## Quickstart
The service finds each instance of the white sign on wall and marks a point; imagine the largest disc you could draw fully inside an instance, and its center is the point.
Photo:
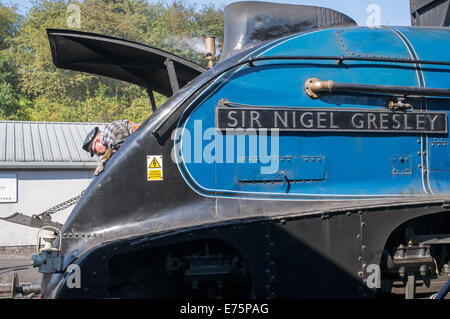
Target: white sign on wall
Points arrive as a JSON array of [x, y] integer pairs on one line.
[[8, 188]]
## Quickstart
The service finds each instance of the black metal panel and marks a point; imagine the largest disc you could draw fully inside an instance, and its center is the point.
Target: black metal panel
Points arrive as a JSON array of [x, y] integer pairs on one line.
[[430, 13], [248, 23], [120, 59], [312, 256]]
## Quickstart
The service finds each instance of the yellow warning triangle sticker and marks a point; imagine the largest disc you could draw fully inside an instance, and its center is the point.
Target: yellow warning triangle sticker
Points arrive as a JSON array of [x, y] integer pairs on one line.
[[154, 164]]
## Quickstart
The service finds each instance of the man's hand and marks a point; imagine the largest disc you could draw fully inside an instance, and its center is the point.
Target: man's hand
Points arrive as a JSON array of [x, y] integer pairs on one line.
[[99, 169], [101, 165]]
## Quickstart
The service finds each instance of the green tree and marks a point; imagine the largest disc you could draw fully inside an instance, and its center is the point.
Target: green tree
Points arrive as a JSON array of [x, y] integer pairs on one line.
[[12, 104], [63, 95], [9, 22]]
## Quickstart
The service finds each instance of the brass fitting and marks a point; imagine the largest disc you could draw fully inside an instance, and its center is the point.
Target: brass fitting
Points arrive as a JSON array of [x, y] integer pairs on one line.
[[210, 43], [313, 86]]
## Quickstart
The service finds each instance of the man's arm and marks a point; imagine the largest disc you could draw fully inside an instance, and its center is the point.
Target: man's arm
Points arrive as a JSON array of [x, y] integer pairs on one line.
[[116, 133]]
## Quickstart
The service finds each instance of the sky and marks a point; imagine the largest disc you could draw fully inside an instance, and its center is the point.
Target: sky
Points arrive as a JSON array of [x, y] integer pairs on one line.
[[364, 12]]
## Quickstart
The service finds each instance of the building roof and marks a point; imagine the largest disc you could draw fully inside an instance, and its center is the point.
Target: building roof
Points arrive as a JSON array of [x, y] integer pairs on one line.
[[44, 145]]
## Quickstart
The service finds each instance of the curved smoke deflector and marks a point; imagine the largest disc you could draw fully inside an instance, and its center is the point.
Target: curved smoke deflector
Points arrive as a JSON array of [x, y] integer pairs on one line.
[[248, 23]]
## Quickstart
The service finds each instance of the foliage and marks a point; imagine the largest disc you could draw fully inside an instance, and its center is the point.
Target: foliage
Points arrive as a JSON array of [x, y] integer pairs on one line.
[[9, 21], [32, 88]]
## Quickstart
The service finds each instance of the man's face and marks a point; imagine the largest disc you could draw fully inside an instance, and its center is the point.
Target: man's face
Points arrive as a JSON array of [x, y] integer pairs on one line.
[[97, 145]]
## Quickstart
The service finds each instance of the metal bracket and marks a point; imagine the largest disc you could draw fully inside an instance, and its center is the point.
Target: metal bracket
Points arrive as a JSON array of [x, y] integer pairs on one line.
[[30, 221], [151, 96], [172, 76], [400, 104]]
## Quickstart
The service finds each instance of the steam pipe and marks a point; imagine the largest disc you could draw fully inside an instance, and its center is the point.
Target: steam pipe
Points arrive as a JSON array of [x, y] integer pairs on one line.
[[314, 87]]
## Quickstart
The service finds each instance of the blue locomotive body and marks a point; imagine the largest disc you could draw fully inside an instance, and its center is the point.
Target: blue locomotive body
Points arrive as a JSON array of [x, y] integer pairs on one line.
[[315, 158], [357, 164]]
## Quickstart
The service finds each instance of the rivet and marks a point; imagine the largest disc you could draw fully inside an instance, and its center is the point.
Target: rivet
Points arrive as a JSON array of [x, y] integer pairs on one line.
[[363, 247]]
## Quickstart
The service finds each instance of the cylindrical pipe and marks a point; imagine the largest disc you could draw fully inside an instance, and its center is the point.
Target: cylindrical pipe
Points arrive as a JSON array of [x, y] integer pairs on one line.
[[210, 43], [315, 86], [443, 291]]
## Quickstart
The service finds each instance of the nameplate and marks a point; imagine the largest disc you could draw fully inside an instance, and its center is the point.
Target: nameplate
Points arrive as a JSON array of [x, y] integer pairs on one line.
[[326, 120]]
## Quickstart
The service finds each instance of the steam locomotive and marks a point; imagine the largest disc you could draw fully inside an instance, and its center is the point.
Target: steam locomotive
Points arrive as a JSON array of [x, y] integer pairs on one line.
[[311, 162]]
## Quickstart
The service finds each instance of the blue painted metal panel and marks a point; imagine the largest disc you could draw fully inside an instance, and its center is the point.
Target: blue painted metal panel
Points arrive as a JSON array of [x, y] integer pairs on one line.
[[358, 165], [290, 169], [434, 44]]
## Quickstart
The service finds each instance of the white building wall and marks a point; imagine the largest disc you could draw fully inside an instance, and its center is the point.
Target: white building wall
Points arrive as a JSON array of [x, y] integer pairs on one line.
[[37, 191]]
